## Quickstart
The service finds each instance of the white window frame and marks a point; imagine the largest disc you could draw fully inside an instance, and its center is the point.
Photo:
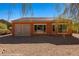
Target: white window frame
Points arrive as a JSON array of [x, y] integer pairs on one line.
[[40, 24]]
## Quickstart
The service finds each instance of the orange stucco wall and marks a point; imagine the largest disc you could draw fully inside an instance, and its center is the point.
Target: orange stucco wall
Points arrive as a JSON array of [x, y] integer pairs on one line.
[[48, 27]]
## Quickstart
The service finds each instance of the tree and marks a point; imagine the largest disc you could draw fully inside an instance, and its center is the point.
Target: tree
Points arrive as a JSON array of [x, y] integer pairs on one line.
[[23, 9], [5, 22], [71, 11], [27, 8]]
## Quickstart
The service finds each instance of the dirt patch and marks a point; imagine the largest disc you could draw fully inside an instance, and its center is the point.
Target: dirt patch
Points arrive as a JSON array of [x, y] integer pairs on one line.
[[39, 46]]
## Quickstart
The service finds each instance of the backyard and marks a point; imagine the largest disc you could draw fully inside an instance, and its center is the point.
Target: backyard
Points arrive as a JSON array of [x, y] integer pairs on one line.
[[39, 45]]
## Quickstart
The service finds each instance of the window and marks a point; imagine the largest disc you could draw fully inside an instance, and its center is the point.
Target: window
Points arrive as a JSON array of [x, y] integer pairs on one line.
[[62, 28], [39, 28]]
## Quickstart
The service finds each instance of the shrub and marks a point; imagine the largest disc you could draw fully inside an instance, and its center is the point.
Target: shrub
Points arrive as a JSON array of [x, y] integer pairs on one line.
[[7, 31], [4, 31], [3, 26], [75, 28]]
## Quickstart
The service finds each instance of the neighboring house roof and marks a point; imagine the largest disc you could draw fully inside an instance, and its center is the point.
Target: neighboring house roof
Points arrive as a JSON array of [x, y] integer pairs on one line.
[[38, 19]]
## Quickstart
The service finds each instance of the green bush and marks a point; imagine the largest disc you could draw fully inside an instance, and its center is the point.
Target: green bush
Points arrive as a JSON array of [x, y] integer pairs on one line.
[[7, 31], [6, 22], [3, 26], [75, 28], [4, 31]]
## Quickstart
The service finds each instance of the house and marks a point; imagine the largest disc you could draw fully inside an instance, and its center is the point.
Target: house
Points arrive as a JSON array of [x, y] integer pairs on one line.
[[41, 26]]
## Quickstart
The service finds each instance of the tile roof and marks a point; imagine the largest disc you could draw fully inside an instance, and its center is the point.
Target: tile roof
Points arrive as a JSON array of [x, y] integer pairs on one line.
[[32, 19], [39, 19]]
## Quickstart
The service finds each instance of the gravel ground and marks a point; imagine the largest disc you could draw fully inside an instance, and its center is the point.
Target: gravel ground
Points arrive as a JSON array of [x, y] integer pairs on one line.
[[40, 45]]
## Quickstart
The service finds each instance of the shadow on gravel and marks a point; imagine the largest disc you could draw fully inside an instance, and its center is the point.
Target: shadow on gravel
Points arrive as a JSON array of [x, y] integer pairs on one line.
[[57, 40]]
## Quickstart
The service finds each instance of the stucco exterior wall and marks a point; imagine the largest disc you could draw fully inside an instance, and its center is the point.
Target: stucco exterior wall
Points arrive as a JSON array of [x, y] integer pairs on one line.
[[27, 28]]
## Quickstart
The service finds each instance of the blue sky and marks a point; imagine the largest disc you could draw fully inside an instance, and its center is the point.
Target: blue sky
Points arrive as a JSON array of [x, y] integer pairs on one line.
[[39, 10]]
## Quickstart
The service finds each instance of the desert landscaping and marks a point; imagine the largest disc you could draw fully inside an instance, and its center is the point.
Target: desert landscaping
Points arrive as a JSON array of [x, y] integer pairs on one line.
[[35, 29], [36, 46]]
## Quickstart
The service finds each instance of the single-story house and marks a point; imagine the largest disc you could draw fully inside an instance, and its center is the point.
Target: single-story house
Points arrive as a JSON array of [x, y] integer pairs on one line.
[[41, 26]]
